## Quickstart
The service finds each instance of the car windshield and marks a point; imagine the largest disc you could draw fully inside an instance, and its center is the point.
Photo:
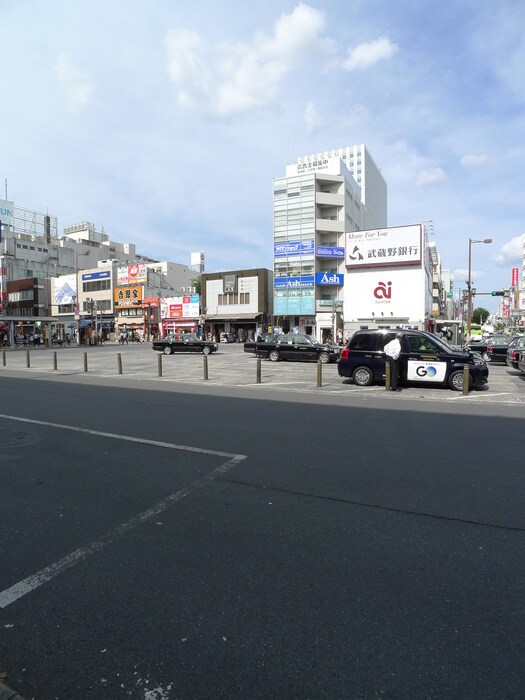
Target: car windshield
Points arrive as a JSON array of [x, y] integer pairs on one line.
[[499, 340]]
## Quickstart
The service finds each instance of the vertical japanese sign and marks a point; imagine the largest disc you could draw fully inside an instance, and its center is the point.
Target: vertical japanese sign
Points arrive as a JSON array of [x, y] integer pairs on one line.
[[514, 276]]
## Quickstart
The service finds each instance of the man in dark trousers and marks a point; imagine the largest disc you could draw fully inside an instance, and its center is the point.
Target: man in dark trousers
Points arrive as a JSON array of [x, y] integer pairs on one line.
[[392, 351]]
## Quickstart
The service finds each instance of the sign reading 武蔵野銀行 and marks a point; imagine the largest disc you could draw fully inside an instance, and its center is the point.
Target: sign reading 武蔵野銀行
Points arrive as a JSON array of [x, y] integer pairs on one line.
[[399, 245]]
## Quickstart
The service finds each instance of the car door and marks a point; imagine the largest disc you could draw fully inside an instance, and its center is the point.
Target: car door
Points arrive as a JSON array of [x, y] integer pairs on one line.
[[426, 361], [285, 346], [303, 349]]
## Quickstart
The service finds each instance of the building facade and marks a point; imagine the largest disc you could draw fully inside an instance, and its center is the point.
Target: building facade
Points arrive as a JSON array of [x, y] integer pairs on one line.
[[314, 207], [237, 303], [389, 279]]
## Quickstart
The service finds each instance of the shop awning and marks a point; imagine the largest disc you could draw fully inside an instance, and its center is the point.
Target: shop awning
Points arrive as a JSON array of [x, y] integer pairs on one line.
[[234, 317]]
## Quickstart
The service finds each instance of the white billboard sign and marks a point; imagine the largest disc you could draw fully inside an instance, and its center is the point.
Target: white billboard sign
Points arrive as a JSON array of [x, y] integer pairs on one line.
[[7, 209], [385, 294], [65, 290], [382, 247]]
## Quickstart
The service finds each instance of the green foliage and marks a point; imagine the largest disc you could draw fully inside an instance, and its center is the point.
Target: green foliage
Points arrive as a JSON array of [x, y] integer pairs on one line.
[[480, 315], [197, 284]]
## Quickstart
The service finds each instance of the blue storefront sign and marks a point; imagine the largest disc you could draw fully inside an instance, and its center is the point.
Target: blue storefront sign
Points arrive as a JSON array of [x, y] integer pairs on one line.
[[283, 250], [102, 275], [328, 251], [293, 282], [329, 278]]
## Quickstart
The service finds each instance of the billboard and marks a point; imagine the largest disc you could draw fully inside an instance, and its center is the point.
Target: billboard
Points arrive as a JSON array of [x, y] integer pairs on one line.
[[132, 274], [329, 279], [65, 288], [385, 294], [329, 251], [293, 282], [384, 247], [180, 307], [128, 296], [515, 277], [7, 209], [291, 248]]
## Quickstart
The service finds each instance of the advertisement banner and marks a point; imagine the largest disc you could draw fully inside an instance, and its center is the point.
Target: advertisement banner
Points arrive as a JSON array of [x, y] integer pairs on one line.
[[6, 213], [90, 276], [329, 278], [327, 251], [293, 282], [515, 276], [385, 247], [130, 297], [65, 289], [180, 307], [421, 371], [291, 248], [132, 274]]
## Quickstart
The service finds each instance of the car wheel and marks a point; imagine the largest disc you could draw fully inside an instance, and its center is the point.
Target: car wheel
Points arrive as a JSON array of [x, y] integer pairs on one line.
[[455, 381], [324, 357], [274, 356], [167, 350], [206, 350], [363, 376]]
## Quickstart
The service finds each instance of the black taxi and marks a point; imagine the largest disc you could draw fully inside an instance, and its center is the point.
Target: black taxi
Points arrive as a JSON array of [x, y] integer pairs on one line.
[[299, 347], [425, 359]]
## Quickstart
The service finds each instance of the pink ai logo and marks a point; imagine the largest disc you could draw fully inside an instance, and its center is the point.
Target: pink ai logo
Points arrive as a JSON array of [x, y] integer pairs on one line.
[[383, 291]]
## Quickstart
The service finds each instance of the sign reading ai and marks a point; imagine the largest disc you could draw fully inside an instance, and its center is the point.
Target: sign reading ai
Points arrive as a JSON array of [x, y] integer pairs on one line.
[[329, 278], [327, 251]]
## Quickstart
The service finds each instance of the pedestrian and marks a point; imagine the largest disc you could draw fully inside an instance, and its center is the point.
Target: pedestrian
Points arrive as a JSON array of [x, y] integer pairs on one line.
[[392, 351]]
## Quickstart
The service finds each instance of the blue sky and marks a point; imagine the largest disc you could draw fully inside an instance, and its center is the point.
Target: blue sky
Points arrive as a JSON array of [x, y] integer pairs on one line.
[[165, 122]]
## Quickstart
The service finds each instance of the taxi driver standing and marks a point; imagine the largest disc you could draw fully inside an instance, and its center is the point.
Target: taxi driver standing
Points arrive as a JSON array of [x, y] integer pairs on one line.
[[392, 351]]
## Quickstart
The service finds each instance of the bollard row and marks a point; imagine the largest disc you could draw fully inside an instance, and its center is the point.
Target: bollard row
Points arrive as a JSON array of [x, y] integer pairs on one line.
[[258, 369]]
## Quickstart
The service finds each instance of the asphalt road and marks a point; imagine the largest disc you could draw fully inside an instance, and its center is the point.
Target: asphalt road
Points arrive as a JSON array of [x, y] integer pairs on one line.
[[169, 540]]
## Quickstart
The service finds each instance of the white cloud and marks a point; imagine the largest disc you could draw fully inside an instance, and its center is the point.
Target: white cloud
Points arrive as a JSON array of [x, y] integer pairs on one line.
[[460, 276], [311, 117], [473, 160], [511, 253], [229, 78], [369, 53], [429, 178], [77, 84]]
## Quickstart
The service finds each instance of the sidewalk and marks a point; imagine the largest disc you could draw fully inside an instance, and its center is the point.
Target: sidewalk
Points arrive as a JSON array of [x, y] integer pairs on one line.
[[8, 694]]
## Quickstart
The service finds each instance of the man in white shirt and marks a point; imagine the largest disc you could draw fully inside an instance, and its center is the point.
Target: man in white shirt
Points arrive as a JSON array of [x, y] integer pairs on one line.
[[392, 351]]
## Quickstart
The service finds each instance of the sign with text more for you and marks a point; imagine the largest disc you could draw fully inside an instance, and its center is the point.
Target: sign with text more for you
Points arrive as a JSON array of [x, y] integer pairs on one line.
[[384, 294], [384, 247]]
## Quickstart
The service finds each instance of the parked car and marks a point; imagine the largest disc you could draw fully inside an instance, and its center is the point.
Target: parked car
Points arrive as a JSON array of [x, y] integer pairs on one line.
[[521, 361], [424, 359], [296, 347], [497, 347], [249, 345], [188, 342], [513, 351]]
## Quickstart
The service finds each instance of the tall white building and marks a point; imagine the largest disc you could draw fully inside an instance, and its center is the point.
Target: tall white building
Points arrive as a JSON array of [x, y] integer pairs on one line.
[[314, 206], [367, 175]]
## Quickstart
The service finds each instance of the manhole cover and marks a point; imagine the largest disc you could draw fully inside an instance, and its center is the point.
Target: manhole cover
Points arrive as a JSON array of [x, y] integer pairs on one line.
[[16, 438]]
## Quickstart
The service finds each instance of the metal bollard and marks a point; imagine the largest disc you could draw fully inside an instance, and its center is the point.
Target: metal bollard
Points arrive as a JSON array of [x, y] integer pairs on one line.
[[258, 370], [119, 363], [159, 365], [4, 357], [466, 379], [387, 376], [55, 361], [319, 373], [85, 362], [205, 359], [28, 359]]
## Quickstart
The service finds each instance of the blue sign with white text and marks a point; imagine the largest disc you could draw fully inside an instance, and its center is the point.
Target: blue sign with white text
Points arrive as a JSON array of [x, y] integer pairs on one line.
[[329, 251], [102, 275], [283, 250], [293, 282], [329, 278]]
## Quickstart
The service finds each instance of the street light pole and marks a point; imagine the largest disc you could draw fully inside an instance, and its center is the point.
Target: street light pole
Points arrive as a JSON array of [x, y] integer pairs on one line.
[[469, 284]]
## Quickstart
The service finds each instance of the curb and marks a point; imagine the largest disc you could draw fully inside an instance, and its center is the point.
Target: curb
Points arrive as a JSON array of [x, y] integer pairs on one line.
[[8, 694]]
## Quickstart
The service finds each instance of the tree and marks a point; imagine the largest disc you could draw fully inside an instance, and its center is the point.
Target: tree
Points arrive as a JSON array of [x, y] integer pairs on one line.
[[480, 315], [197, 283]]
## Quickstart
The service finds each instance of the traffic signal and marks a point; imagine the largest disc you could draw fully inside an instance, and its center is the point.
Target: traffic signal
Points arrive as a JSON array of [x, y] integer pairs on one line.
[[498, 294]]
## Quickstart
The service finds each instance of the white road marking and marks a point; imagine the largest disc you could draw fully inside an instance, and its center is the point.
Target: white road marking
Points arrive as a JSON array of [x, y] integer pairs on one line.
[[22, 588]]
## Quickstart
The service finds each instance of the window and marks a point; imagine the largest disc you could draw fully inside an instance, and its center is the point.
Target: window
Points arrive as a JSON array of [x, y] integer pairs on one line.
[[244, 298]]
